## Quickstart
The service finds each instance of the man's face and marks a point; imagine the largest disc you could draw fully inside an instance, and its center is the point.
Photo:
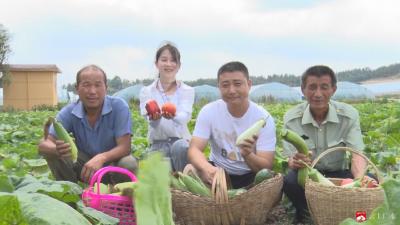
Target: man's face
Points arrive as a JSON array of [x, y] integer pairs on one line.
[[318, 91], [234, 87], [92, 89]]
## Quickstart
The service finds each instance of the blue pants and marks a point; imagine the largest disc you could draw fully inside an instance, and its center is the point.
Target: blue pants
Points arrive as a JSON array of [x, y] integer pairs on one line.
[[175, 149]]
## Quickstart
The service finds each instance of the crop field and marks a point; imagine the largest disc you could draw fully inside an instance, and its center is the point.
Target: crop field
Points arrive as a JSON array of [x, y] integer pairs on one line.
[[21, 166]]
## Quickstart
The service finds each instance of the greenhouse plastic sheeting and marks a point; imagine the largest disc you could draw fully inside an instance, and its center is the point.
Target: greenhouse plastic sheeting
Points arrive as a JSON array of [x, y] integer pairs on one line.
[[351, 91], [274, 92], [129, 92], [206, 92]]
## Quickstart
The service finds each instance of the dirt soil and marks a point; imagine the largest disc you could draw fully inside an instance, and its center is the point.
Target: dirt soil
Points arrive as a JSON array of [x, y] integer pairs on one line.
[[279, 215]]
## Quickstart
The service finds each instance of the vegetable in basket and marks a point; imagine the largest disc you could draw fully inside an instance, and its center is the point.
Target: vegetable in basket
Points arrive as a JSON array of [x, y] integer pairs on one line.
[[195, 185], [363, 182], [235, 192], [263, 174]]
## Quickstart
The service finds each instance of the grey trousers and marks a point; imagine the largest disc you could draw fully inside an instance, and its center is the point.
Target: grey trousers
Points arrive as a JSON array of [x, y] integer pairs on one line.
[[63, 169], [175, 149]]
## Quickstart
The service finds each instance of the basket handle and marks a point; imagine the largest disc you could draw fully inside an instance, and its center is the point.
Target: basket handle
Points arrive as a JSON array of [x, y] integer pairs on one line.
[[100, 173], [219, 189], [378, 174], [219, 193]]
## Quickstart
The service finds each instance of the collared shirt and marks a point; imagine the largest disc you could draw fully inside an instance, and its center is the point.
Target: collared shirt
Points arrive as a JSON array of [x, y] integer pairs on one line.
[[183, 99], [340, 128], [114, 122]]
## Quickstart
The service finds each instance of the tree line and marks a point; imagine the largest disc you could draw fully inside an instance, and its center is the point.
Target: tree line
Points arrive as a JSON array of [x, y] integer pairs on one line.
[[356, 75]]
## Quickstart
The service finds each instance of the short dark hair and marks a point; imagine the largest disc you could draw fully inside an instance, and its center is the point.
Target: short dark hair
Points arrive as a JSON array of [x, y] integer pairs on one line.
[[93, 67], [172, 49], [233, 67], [318, 71]]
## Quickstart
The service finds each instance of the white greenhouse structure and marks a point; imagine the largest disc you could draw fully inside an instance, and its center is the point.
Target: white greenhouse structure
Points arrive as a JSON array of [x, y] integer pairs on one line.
[[129, 93], [206, 93], [351, 91], [274, 92]]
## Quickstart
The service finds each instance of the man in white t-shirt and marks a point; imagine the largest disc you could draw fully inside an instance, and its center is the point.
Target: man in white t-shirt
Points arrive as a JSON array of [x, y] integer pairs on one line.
[[222, 121]]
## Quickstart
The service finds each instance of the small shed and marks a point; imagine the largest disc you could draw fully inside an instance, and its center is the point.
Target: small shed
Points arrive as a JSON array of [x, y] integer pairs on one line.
[[206, 92], [30, 85]]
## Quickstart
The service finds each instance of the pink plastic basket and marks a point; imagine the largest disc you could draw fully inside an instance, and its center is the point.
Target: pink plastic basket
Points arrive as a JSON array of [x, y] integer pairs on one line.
[[120, 207]]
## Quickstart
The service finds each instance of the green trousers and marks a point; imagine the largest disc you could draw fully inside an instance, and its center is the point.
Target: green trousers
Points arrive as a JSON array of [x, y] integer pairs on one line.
[[65, 169]]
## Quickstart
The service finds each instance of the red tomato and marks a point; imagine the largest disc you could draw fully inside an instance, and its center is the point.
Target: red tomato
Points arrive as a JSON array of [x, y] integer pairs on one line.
[[346, 181], [152, 107], [169, 108]]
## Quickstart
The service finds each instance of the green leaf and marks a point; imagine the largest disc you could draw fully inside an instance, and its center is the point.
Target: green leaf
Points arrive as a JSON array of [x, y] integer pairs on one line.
[[9, 163], [5, 184], [64, 191], [10, 210], [36, 162], [39, 209], [392, 192]]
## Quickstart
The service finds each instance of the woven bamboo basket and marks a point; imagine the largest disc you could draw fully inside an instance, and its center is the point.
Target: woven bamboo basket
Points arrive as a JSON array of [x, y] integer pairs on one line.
[[249, 208], [330, 205]]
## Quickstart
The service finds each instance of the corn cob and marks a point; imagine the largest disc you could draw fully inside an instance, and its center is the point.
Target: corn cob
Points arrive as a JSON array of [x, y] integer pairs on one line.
[[301, 146], [249, 132], [103, 188], [178, 184], [125, 185], [62, 134]]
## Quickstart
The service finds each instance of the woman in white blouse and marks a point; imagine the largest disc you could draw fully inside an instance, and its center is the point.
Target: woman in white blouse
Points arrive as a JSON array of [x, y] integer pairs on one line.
[[167, 132]]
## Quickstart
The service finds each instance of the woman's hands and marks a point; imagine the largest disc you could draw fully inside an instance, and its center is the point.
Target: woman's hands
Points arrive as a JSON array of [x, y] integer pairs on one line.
[[157, 116]]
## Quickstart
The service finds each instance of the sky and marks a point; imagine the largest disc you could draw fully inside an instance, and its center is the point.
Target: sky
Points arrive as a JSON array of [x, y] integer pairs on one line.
[[269, 36]]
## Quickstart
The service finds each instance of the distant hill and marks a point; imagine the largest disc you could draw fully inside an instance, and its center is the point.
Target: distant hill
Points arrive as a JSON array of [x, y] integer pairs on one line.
[[365, 74]]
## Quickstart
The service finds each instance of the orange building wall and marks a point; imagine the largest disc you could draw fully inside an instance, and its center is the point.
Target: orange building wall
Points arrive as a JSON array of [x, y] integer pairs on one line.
[[29, 89]]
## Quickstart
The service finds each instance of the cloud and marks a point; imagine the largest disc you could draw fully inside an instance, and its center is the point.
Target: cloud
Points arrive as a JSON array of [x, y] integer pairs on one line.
[[373, 20], [354, 20], [122, 35], [123, 61]]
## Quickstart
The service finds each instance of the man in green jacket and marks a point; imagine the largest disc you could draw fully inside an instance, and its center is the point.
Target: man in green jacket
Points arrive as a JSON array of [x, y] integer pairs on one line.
[[323, 124]]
